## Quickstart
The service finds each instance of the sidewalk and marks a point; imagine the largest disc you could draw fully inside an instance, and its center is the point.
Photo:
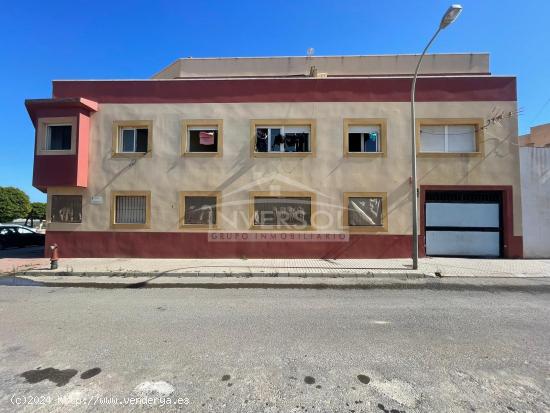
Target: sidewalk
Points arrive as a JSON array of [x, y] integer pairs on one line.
[[344, 268]]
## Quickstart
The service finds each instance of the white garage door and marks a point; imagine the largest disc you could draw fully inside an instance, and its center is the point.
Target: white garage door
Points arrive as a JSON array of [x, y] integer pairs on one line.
[[463, 229]]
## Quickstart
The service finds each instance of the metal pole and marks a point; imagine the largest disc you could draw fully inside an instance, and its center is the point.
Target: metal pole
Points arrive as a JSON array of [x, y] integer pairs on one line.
[[413, 158]]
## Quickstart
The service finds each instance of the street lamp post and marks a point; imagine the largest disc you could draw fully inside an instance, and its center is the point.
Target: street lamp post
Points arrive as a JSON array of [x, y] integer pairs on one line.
[[449, 17]]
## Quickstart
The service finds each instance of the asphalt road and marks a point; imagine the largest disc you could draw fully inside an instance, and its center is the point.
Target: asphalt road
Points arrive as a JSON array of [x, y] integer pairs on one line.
[[274, 350]]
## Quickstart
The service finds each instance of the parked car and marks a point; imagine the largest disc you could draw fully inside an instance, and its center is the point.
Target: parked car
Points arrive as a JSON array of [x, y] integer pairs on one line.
[[19, 236]]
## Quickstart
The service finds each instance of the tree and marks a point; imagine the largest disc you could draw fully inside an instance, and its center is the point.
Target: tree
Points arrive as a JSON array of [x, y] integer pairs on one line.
[[38, 211], [14, 203]]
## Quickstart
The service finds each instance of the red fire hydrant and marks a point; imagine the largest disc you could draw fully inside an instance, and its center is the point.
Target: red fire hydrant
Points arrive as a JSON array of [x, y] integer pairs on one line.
[[54, 257]]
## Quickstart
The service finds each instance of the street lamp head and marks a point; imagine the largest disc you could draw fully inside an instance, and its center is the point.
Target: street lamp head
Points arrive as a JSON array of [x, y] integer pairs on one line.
[[450, 15]]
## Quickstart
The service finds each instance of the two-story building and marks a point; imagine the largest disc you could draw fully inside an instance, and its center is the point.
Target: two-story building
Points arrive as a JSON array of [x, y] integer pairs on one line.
[[282, 157]]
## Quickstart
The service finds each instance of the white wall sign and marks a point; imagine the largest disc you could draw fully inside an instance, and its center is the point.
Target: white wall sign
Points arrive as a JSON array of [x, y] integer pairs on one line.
[[97, 200]]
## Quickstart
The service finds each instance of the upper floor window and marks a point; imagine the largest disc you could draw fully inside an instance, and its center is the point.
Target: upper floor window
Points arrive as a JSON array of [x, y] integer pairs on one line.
[[283, 137], [364, 137], [56, 136], [450, 137], [132, 139], [202, 137]]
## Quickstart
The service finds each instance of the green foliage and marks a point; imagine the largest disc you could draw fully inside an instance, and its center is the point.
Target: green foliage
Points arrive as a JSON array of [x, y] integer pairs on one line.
[[38, 211], [14, 203]]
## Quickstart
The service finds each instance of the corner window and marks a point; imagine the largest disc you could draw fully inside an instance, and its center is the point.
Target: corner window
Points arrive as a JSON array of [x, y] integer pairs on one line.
[[456, 137], [131, 209], [132, 139], [365, 211], [66, 209], [202, 137], [291, 137], [58, 137], [199, 209], [364, 137], [284, 211]]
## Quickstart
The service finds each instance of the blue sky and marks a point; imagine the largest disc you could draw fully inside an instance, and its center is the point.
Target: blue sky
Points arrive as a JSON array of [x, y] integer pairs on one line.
[[46, 40]]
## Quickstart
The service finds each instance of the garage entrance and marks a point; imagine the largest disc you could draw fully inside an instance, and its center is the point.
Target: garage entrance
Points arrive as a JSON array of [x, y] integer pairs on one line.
[[463, 223]]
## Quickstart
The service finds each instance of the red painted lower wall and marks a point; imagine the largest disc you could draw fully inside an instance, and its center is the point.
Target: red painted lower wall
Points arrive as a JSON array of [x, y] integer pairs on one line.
[[81, 244]]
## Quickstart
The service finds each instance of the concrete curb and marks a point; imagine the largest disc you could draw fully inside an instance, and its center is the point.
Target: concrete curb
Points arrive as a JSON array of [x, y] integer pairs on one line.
[[221, 274], [532, 285]]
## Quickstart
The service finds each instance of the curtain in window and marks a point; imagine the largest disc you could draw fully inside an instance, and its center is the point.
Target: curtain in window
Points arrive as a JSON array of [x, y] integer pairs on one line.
[[200, 210], [60, 137], [364, 211], [284, 211], [432, 138], [66, 208], [461, 138], [131, 210]]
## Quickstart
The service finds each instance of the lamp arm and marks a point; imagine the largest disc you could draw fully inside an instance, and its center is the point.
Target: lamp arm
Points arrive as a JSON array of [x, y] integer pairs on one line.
[[413, 86]]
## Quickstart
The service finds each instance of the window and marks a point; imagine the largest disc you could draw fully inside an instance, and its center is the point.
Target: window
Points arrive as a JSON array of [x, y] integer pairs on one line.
[[365, 211], [282, 211], [66, 208], [131, 209], [449, 137], [283, 137], [58, 137], [24, 231], [202, 137], [364, 137], [199, 209], [131, 139]]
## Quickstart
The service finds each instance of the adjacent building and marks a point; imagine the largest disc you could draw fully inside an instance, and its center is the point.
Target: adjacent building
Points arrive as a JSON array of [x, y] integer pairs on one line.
[[282, 157], [535, 188]]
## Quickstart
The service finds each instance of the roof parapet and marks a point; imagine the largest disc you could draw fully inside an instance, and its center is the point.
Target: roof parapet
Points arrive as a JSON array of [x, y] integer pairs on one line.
[[334, 66]]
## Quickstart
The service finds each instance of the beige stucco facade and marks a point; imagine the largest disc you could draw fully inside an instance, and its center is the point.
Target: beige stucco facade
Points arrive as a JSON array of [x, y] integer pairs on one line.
[[327, 172]]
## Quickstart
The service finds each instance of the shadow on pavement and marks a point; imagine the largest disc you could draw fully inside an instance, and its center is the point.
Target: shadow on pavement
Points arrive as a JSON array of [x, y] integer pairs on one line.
[[28, 252]]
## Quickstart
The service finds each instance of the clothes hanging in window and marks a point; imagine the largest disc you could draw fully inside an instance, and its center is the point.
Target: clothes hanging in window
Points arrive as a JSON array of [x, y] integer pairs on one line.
[[206, 138]]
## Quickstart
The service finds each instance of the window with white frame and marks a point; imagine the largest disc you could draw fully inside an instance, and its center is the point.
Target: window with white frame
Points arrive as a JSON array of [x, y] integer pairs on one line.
[[58, 137], [133, 140], [364, 138], [283, 138], [448, 138]]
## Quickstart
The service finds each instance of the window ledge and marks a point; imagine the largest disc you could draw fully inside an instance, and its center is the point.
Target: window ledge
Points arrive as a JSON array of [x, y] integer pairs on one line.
[[49, 152], [365, 229], [283, 154], [273, 228], [448, 154], [198, 227], [202, 154], [365, 154], [132, 154], [130, 226]]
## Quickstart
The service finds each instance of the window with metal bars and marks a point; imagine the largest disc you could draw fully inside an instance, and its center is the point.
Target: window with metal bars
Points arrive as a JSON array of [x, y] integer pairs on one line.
[[130, 209]]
